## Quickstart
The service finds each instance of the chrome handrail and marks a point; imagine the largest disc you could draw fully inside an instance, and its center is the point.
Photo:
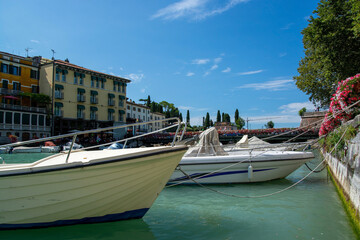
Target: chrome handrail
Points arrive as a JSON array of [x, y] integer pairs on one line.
[[75, 134]]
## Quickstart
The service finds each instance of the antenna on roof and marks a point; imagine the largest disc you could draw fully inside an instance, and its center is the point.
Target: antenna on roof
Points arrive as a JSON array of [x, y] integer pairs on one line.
[[53, 51], [27, 51]]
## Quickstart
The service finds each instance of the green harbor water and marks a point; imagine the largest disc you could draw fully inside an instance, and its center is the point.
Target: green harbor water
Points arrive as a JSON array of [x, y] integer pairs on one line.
[[310, 210]]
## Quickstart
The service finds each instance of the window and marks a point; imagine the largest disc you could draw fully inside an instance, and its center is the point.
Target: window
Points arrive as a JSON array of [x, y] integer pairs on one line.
[[81, 79], [4, 68], [35, 74], [41, 120], [102, 84], [97, 83], [14, 70], [115, 83], [1, 117], [26, 119], [139, 110], [16, 86], [57, 76], [34, 120], [92, 82], [35, 89], [119, 87], [63, 78], [5, 84], [17, 118], [75, 79], [8, 117]]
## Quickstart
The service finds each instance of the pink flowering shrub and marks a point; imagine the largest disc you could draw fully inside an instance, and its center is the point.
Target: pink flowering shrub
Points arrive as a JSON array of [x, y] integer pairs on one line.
[[346, 94]]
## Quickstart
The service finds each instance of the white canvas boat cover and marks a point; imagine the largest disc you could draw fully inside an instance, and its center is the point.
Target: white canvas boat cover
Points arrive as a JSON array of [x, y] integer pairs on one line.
[[208, 145], [252, 142]]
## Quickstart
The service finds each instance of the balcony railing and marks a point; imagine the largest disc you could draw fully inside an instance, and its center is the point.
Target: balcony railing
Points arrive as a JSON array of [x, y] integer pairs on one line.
[[59, 113], [9, 91], [22, 108], [93, 117], [94, 100], [81, 98], [59, 95], [22, 127], [111, 102]]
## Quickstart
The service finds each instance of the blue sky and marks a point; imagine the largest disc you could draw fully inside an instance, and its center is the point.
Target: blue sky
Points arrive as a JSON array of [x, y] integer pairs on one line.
[[201, 55]]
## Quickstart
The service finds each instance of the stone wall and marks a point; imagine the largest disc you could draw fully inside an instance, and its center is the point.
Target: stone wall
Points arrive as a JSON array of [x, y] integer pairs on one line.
[[347, 170], [309, 118]]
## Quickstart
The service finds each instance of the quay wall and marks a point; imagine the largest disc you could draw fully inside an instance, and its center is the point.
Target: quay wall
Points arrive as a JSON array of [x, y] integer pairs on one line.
[[346, 171]]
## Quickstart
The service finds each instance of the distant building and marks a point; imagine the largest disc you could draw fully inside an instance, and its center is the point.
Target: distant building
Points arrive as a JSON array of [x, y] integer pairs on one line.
[[82, 98], [223, 126], [20, 114], [312, 119], [141, 113]]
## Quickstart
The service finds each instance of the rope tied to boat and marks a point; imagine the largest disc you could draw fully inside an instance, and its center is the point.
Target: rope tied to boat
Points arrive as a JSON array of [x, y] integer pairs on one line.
[[264, 195]]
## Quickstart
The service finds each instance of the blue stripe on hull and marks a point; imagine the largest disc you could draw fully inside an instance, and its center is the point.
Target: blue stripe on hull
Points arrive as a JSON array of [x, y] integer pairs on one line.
[[201, 175], [139, 213]]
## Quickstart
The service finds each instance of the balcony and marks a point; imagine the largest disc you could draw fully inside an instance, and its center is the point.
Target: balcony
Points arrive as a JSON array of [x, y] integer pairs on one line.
[[22, 108], [59, 113], [94, 117], [111, 102], [59, 95], [23, 127], [81, 98], [80, 115], [94, 100], [9, 91]]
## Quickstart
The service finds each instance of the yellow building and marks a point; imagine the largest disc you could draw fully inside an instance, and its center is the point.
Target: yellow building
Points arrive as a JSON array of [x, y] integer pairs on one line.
[[20, 115], [82, 98]]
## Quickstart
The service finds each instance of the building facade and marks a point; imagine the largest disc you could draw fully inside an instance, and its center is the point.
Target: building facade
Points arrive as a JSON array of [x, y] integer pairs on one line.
[[82, 98], [21, 113], [141, 113]]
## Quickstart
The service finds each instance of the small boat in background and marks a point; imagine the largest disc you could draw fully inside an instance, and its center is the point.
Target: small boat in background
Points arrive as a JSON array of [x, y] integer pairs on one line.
[[85, 186], [27, 150], [208, 162], [50, 147]]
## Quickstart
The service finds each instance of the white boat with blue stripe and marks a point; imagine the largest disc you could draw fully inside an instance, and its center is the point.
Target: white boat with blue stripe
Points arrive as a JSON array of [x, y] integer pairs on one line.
[[208, 163]]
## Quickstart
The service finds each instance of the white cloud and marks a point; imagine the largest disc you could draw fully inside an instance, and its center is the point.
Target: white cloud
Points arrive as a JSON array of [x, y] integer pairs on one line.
[[287, 26], [251, 72], [194, 9], [217, 60], [200, 61], [135, 77], [121, 69], [282, 54], [287, 118], [214, 67], [142, 90], [35, 41], [189, 74], [195, 109], [226, 70], [276, 85], [295, 107], [206, 73]]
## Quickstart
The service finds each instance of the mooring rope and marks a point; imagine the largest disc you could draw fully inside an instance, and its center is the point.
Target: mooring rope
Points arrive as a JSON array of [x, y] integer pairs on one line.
[[269, 194]]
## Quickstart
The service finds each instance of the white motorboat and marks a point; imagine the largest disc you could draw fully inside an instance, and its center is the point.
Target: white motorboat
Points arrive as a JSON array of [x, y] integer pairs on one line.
[[208, 162], [85, 186]]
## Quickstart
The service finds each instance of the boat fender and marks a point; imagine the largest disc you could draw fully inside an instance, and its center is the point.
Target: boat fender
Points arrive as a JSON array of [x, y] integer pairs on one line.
[[250, 172]]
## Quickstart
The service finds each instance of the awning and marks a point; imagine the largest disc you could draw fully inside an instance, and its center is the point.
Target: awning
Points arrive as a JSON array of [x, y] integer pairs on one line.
[[65, 71], [82, 75], [58, 86], [111, 95], [92, 92], [92, 108], [94, 78], [11, 97], [76, 74], [58, 70], [121, 111], [81, 107], [121, 97], [59, 104], [111, 110], [81, 90], [103, 79]]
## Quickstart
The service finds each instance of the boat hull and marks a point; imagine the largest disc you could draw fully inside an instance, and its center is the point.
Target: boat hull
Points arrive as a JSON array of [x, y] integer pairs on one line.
[[105, 191], [236, 169]]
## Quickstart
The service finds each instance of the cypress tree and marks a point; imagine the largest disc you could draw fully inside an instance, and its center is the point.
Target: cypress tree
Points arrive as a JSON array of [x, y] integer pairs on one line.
[[218, 116]]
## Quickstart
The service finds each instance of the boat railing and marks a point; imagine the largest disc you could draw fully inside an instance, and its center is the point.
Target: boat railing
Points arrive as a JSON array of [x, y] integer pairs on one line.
[[74, 135]]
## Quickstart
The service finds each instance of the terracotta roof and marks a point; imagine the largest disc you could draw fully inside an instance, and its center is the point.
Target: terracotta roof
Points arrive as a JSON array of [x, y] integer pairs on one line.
[[63, 63]]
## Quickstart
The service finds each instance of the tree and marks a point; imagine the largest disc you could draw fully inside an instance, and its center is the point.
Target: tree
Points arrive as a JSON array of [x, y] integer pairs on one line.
[[181, 117], [223, 117], [331, 49], [218, 116], [188, 117], [240, 123], [236, 115], [207, 120], [270, 124], [302, 111], [148, 101], [227, 117]]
